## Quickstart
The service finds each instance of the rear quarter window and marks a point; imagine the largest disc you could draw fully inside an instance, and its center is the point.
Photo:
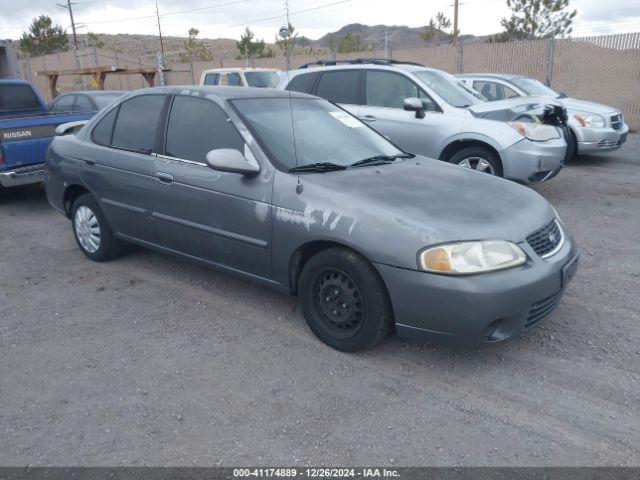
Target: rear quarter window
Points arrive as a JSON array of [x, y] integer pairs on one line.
[[102, 131], [303, 83]]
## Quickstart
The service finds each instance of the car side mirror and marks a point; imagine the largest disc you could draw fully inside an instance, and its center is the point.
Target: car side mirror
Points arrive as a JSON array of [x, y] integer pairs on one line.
[[414, 104], [69, 127], [231, 161]]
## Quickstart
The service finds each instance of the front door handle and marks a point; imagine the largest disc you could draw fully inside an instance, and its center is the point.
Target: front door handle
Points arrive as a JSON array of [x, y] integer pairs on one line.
[[368, 118], [164, 178]]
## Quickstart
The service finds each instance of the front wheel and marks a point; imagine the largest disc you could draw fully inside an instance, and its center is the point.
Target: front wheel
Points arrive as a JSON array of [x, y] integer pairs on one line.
[[344, 300], [91, 230], [477, 158]]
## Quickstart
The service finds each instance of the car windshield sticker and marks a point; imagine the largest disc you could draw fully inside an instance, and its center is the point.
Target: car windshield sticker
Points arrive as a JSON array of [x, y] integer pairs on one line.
[[347, 119]]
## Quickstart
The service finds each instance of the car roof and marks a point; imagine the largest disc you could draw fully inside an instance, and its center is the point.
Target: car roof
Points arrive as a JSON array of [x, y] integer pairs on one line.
[[94, 92], [243, 69], [224, 93], [8, 81], [359, 66], [503, 76]]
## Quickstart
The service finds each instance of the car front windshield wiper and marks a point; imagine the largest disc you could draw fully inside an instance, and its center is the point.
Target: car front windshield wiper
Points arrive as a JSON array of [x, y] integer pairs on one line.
[[319, 167], [381, 159]]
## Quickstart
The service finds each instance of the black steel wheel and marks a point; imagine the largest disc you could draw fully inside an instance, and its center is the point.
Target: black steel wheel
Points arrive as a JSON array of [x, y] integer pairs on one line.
[[344, 300]]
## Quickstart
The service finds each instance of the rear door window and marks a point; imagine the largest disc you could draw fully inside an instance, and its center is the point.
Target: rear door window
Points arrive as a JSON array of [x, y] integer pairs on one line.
[[83, 104], [342, 86], [490, 90], [303, 83], [63, 103], [196, 126], [137, 122], [212, 79], [232, 80]]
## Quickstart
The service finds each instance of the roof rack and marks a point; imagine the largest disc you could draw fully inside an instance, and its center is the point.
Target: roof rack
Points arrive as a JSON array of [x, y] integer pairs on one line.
[[356, 61]]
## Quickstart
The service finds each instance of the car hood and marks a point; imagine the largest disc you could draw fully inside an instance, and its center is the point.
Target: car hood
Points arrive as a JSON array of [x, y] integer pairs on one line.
[[548, 110], [520, 104], [421, 202], [581, 105]]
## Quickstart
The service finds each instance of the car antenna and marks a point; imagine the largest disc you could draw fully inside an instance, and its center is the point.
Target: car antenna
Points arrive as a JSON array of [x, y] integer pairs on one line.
[[285, 33]]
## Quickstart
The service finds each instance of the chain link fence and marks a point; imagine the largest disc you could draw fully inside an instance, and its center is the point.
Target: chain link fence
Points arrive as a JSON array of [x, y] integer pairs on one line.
[[602, 69]]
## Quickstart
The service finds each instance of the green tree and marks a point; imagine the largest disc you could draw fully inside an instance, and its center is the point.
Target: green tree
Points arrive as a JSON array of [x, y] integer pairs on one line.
[[351, 43], [536, 19], [194, 49], [248, 47], [94, 40], [43, 37], [437, 28]]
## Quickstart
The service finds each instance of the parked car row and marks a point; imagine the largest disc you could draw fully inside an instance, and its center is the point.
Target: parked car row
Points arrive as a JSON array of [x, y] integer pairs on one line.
[[428, 112], [341, 186], [594, 127], [27, 126]]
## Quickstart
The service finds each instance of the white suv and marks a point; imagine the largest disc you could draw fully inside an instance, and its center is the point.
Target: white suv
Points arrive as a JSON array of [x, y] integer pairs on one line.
[[241, 77]]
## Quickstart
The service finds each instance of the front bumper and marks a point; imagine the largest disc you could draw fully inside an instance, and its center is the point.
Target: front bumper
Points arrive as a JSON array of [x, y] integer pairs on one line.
[[533, 162], [478, 309], [23, 176], [606, 139]]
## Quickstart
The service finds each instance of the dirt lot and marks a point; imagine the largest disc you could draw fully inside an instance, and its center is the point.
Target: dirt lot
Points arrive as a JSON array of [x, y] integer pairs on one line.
[[148, 360]]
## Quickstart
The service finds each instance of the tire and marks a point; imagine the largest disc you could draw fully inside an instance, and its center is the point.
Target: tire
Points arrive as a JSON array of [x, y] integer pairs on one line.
[[572, 146], [92, 231], [344, 300], [478, 158]]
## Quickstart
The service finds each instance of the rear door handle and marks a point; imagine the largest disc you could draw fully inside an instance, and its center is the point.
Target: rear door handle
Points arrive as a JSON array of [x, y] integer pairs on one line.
[[89, 161], [368, 118], [164, 178]]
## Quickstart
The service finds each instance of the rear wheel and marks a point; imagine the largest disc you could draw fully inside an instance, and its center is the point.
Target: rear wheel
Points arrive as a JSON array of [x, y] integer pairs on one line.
[[344, 300], [92, 231], [477, 158]]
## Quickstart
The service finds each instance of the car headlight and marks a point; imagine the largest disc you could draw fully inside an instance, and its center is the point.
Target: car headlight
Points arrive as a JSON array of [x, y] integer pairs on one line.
[[536, 131], [588, 119], [465, 258]]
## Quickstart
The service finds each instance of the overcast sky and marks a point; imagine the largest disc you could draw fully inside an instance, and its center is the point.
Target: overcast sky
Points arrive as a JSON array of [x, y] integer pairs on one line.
[[313, 18]]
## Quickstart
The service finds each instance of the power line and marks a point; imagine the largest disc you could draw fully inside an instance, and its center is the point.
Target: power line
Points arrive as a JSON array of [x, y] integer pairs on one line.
[[168, 13]]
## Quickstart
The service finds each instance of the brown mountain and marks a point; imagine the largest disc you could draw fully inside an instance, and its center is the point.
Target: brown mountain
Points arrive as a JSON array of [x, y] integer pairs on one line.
[[398, 36]]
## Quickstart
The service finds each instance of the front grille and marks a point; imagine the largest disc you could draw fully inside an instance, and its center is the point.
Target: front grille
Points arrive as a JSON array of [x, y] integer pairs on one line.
[[617, 121], [609, 143], [542, 309], [546, 240]]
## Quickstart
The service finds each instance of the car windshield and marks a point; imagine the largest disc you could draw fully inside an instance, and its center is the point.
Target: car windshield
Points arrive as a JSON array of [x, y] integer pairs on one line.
[[262, 79], [449, 88], [305, 131], [105, 99], [535, 87]]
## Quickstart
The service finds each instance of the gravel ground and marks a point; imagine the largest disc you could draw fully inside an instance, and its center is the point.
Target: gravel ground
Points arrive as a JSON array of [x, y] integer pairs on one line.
[[149, 360]]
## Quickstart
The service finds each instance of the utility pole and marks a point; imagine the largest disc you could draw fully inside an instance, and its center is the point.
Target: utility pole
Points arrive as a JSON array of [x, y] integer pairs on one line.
[[159, 30], [288, 47], [386, 44], [455, 23], [75, 38]]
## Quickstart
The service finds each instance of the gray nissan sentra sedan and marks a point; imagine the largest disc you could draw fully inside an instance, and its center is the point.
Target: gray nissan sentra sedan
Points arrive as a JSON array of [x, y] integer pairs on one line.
[[291, 191]]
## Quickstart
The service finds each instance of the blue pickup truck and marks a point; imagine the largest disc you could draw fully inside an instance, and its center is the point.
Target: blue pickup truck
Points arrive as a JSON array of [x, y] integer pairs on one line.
[[26, 129]]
